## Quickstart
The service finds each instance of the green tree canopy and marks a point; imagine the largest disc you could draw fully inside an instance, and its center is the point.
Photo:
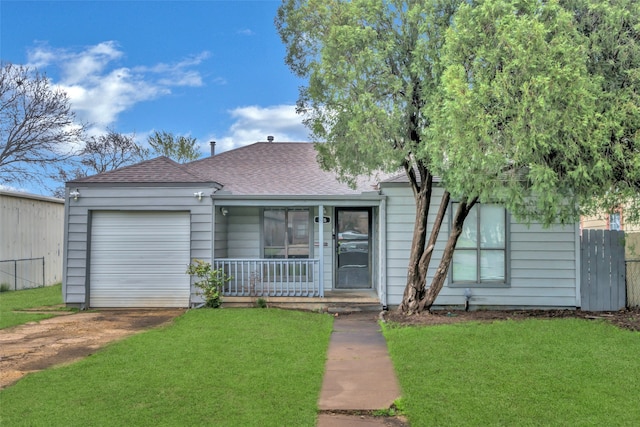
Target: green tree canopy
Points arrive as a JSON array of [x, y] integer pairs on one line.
[[182, 149], [612, 30], [506, 101], [516, 119], [372, 68]]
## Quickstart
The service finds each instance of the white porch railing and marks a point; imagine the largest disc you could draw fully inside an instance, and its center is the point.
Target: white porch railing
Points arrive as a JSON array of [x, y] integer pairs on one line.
[[271, 277]]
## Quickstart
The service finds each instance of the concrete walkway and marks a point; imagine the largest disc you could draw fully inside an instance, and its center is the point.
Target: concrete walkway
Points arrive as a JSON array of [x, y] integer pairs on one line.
[[358, 374]]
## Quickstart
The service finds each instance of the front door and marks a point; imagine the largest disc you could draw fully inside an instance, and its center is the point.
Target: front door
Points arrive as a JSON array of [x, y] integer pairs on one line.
[[353, 257]]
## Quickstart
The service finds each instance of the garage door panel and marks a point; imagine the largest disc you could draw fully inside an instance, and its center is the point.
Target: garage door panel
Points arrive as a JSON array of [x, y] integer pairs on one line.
[[123, 291], [142, 253], [160, 271], [142, 243], [132, 259], [142, 301], [107, 242], [129, 281], [139, 259]]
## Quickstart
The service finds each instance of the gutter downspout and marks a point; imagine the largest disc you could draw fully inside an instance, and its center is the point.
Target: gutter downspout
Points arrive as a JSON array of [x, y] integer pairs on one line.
[[213, 228], [321, 250], [578, 258]]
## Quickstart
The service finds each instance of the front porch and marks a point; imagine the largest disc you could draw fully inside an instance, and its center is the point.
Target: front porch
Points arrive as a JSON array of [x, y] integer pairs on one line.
[[300, 252], [288, 283], [274, 278]]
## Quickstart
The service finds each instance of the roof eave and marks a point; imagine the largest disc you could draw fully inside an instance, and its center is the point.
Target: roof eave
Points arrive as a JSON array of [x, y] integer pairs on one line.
[[370, 196], [211, 184]]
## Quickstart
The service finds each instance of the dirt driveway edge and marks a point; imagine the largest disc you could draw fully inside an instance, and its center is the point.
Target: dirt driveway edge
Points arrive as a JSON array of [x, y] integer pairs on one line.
[[35, 346]]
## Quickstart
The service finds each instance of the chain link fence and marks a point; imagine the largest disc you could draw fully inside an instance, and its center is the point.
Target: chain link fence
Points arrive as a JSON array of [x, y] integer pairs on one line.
[[18, 274], [633, 283]]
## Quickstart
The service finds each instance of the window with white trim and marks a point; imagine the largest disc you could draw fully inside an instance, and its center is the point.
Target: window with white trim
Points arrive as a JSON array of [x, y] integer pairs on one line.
[[286, 233], [480, 256]]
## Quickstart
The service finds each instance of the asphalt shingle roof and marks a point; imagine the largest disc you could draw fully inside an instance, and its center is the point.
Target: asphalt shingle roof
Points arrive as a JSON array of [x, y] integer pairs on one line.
[[159, 170], [275, 168], [263, 168]]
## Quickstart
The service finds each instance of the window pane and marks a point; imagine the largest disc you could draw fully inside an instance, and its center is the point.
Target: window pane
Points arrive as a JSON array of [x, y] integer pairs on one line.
[[274, 227], [298, 232], [464, 266], [469, 236], [492, 226], [299, 224], [492, 266]]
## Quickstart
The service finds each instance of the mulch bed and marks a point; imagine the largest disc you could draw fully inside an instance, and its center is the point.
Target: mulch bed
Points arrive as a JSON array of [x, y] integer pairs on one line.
[[625, 319]]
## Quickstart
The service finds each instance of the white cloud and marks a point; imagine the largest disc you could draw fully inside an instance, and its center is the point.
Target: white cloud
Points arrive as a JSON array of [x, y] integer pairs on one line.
[[100, 100], [255, 123], [178, 74], [41, 56], [246, 32], [75, 67], [99, 89], [220, 81], [186, 78]]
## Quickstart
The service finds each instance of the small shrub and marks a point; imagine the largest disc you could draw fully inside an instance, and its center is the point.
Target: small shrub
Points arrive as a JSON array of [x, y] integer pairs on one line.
[[211, 283], [5, 287], [261, 303], [398, 404]]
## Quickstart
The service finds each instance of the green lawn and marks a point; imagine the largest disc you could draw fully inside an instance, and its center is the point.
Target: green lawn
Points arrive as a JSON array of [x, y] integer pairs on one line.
[[562, 372], [228, 367], [28, 298]]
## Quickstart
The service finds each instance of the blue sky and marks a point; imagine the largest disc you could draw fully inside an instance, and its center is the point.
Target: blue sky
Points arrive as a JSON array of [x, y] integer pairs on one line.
[[212, 70]]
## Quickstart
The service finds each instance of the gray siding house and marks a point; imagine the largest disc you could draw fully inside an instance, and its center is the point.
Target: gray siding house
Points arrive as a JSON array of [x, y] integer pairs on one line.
[[287, 231]]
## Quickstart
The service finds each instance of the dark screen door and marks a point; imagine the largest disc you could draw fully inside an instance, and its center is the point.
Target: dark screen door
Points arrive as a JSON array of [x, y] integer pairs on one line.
[[352, 248]]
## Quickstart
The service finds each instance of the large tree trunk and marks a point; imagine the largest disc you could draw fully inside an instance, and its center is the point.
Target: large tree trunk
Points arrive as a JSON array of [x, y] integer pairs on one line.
[[415, 289], [443, 268], [425, 259], [420, 255]]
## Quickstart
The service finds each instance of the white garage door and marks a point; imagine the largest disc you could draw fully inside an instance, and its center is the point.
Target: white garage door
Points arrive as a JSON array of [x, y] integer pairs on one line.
[[139, 259]]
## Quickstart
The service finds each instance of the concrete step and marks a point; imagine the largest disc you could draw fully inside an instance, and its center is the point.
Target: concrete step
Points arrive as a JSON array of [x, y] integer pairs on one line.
[[331, 304], [353, 308]]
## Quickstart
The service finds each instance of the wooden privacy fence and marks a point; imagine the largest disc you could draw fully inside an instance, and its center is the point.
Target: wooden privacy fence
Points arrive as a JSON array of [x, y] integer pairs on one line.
[[633, 283], [602, 285]]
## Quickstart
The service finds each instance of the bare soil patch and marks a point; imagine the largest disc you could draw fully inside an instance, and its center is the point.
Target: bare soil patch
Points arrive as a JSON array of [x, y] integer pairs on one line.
[[39, 345], [359, 418], [625, 319]]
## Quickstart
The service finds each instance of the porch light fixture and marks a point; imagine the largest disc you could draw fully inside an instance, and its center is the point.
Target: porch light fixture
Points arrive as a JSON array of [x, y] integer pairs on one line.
[[75, 194], [224, 211], [198, 195]]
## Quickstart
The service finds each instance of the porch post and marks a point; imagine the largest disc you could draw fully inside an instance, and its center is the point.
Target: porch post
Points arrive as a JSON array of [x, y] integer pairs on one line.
[[213, 232], [321, 250], [382, 251]]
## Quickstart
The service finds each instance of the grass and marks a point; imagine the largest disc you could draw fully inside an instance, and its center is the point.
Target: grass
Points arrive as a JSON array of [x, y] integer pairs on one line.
[[28, 298], [229, 367], [525, 373]]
